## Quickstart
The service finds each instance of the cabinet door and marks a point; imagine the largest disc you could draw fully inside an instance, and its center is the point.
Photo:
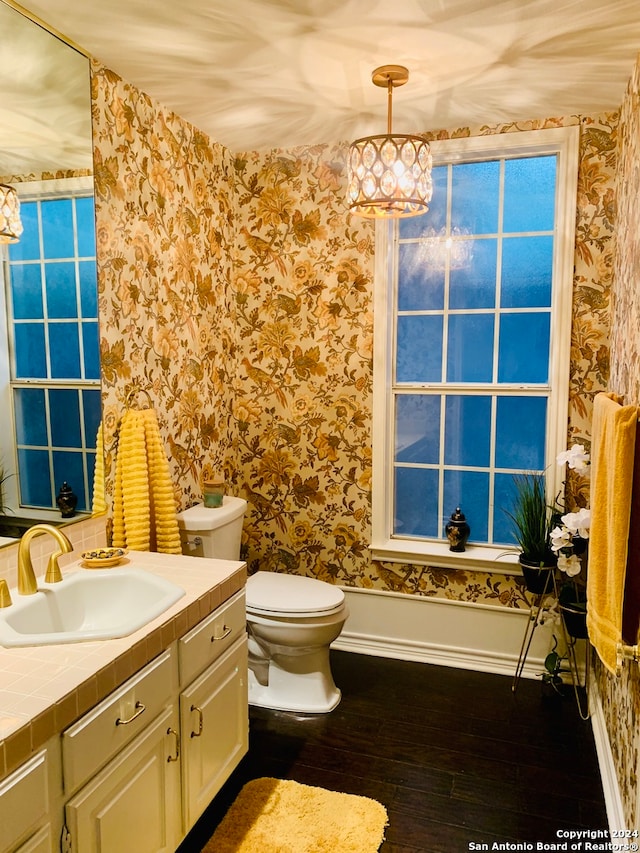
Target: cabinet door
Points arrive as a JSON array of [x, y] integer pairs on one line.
[[24, 801], [214, 713], [133, 805]]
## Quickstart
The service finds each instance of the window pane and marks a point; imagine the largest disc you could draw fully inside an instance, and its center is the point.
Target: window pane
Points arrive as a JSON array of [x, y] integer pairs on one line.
[[92, 404], [65, 350], [31, 416], [68, 468], [527, 265], [524, 348], [475, 197], [468, 490], [31, 360], [473, 280], [470, 348], [35, 481], [467, 431], [88, 288], [86, 227], [420, 280], [91, 347], [419, 349], [436, 217], [417, 428], [520, 432], [416, 502], [28, 247], [26, 291], [61, 290], [504, 495], [65, 417], [57, 228], [529, 194]]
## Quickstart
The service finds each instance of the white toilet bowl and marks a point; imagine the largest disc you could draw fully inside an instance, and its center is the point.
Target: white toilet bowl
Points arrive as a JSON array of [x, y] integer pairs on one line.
[[292, 620]]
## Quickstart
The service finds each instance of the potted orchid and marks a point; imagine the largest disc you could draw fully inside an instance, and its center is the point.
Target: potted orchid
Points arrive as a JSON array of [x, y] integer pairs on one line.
[[569, 539]]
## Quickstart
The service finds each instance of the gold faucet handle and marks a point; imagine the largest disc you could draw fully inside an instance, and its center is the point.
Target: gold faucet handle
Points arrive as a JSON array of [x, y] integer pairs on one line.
[[5, 595], [53, 573]]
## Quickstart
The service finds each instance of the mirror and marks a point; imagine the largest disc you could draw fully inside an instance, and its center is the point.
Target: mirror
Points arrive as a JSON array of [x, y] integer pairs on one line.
[[45, 146]]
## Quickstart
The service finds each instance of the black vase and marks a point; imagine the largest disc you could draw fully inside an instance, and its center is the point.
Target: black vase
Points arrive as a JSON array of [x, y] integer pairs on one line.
[[457, 530], [67, 501], [537, 579]]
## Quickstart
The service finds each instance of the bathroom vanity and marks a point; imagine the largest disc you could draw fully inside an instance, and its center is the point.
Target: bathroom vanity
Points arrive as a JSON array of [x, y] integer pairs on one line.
[[139, 733]]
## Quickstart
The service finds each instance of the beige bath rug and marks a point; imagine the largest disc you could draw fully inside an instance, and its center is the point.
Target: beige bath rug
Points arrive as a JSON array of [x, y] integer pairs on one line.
[[276, 816]]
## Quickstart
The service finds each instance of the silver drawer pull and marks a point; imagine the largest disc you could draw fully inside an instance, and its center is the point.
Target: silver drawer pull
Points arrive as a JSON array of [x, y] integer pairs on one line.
[[139, 709], [175, 757], [225, 633], [200, 721]]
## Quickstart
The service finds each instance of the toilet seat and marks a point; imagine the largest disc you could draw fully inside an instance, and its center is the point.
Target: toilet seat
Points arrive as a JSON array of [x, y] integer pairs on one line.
[[278, 594]]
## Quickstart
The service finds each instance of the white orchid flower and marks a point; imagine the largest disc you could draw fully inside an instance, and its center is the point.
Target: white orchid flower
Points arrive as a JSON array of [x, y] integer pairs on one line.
[[576, 458], [571, 565], [578, 522], [560, 538]]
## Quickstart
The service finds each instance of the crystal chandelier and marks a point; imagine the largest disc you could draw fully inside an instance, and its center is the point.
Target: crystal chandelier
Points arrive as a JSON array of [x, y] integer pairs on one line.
[[389, 174], [10, 224]]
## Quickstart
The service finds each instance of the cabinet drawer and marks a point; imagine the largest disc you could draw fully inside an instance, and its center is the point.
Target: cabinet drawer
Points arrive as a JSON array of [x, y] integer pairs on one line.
[[24, 800], [88, 744], [211, 637]]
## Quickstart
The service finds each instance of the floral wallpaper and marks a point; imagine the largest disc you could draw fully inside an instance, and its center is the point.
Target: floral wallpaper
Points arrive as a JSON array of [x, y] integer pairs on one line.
[[236, 296], [621, 695], [303, 282], [237, 292], [165, 217]]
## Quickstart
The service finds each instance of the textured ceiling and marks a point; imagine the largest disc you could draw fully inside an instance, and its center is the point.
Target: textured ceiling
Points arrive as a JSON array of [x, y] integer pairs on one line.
[[255, 74]]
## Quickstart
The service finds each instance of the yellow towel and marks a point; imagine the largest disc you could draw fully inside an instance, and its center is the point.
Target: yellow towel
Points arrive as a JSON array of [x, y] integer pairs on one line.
[[612, 452], [144, 509], [99, 503]]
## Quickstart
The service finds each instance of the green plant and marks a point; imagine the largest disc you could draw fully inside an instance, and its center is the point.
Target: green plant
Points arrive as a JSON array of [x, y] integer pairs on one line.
[[532, 519], [553, 669]]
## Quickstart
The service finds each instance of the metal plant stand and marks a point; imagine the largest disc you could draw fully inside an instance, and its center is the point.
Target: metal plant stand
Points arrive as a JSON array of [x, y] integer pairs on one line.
[[535, 614]]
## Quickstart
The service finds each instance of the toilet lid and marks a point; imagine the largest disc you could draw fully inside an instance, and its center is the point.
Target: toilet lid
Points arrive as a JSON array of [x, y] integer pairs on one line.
[[279, 593]]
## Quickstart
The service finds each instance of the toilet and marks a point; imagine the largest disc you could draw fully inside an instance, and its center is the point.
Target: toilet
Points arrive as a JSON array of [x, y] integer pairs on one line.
[[213, 531], [292, 620]]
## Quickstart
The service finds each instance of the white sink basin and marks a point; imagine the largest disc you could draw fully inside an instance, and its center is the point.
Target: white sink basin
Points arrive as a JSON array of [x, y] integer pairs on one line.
[[96, 604]]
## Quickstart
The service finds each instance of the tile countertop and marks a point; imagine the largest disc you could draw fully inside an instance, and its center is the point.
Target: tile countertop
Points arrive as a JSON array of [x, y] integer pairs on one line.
[[43, 689]]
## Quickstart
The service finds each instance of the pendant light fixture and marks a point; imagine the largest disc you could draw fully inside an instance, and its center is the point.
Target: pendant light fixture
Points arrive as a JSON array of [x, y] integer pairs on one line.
[[389, 174], [10, 223]]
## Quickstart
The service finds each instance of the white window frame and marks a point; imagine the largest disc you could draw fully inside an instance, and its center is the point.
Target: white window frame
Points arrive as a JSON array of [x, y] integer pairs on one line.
[[78, 187], [564, 142]]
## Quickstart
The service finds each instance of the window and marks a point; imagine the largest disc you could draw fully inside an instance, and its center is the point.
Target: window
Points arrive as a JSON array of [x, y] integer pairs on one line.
[[472, 333], [52, 329]]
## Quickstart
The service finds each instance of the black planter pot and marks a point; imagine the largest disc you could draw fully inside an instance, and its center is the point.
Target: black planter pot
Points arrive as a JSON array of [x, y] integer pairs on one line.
[[538, 580], [574, 613]]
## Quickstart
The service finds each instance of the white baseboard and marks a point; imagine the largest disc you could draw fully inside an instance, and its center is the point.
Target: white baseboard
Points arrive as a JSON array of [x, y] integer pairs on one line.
[[610, 786], [438, 631]]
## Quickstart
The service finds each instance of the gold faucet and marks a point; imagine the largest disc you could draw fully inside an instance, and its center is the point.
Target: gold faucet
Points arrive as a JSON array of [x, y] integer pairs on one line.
[[27, 584]]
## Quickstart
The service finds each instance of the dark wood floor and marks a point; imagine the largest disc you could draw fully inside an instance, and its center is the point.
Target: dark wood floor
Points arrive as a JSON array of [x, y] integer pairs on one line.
[[454, 756]]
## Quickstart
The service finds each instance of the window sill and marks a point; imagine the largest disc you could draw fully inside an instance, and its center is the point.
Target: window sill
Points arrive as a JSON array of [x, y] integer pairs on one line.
[[483, 558]]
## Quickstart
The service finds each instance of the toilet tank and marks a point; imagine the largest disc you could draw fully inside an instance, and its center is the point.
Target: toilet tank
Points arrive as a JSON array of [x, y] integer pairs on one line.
[[213, 531]]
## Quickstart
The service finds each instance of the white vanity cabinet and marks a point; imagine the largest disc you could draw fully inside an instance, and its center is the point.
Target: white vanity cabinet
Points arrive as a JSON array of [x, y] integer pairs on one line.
[[140, 768], [24, 808], [214, 710], [122, 760]]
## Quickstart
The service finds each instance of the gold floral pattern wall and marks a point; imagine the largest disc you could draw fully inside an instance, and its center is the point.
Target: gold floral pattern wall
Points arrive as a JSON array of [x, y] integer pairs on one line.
[[165, 229], [621, 695], [303, 281], [238, 293]]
